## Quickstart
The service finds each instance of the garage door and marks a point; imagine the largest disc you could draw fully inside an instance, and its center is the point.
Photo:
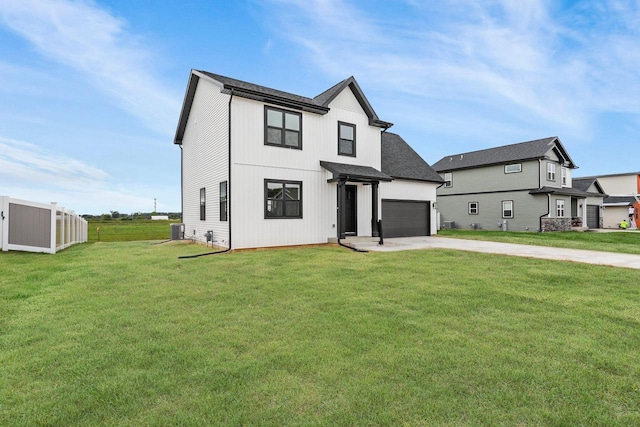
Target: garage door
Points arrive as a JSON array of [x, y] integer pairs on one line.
[[404, 218], [593, 216]]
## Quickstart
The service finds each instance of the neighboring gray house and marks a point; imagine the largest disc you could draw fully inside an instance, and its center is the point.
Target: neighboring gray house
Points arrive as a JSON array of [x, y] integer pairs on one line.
[[519, 187], [262, 167], [623, 201]]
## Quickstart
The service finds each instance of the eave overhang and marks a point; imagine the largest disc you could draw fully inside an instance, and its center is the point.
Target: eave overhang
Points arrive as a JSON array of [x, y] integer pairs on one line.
[[354, 173]]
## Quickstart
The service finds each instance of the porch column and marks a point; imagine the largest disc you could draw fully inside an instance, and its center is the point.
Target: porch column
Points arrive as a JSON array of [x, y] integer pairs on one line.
[[341, 211], [374, 209]]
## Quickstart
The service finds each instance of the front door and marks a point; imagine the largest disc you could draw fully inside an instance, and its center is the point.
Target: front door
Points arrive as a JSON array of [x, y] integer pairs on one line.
[[350, 223]]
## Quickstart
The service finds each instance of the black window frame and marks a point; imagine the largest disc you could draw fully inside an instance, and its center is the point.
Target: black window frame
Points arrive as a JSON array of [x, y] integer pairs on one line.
[[267, 211], [477, 208], [203, 204], [341, 139], [513, 208], [282, 128], [224, 198]]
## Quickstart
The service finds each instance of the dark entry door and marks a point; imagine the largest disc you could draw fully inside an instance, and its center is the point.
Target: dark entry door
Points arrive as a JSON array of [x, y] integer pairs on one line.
[[350, 223]]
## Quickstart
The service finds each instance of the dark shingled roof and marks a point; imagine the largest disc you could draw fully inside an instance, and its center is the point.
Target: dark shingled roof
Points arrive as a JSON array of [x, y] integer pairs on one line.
[[354, 172], [530, 150], [583, 184], [629, 200], [400, 161], [566, 191]]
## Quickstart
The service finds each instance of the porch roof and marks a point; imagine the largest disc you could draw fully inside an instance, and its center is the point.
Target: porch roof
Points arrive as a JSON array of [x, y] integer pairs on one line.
[[564, 192], [355, 173]]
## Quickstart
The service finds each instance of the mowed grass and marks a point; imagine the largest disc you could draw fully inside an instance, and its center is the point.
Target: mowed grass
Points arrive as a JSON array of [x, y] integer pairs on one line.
[[620, 242], [123, 334], [127, 231]]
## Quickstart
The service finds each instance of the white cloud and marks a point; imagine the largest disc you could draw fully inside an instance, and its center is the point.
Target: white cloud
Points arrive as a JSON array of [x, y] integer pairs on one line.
[[30, 172], [529, 62], [85, 37]]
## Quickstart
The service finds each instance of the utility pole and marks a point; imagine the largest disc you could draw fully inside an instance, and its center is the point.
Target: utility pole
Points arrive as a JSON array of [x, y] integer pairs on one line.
[[154, 205]]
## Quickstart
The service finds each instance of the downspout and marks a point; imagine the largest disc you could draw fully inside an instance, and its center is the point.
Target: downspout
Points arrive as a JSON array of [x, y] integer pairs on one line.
[[547, 214], [229, 216]]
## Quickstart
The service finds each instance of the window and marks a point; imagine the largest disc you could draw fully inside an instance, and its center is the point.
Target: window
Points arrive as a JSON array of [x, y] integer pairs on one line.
[[448, 180], [282, 199], [517, 167], [223, 201], [346, 139], [203, 204], [564, 176], [507, 209], [560, 208], [551, 171], [473, 208], [282, 128]]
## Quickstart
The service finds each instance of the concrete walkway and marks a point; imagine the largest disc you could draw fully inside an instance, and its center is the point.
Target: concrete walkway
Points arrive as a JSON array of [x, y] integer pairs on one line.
[[545, 252]]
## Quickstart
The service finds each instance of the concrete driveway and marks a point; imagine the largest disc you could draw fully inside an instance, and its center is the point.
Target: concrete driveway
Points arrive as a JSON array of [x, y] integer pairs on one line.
[[558, 254]]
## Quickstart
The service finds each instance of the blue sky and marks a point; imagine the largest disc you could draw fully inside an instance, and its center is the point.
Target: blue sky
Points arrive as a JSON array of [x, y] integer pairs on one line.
[[90, 91]]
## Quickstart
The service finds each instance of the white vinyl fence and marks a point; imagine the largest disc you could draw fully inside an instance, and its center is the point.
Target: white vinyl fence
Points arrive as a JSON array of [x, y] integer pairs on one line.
[[38, 227]]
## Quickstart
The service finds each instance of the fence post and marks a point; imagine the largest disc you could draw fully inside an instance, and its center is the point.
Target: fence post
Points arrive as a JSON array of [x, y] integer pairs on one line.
[[54, 212], [4, 223]]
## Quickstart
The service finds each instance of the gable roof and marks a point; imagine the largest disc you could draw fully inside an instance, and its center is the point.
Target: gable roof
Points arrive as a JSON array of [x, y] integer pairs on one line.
[[400, 161], [583, 184], [619, 200], [317, 105], [529, 150]]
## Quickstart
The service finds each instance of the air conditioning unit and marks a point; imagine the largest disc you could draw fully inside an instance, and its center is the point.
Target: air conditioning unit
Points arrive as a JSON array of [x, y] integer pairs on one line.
[[474, 226], [448, 225], [177, 231]]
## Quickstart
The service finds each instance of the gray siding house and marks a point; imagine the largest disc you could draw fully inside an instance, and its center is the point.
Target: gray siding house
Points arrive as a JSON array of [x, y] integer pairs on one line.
[[518, 187]]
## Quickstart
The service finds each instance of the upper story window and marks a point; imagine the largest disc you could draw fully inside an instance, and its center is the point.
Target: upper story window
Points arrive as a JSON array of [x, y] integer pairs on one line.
[[448, 180], [282, 199], [223, 201], [507, 209], [282, 128], [551, 171], [564, 175], [473, 208], [560, 208], [346, 139], [514, 168], [203, 204]]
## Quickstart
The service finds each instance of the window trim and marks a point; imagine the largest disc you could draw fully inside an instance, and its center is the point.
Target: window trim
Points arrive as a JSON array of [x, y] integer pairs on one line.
[[560, 205], [266, 199], [512, 209], [351, 125], [519, 165], [283, 128], [477, 208], [564, 172], [224, 200], [551, 171], [203, 204], [448, 181]]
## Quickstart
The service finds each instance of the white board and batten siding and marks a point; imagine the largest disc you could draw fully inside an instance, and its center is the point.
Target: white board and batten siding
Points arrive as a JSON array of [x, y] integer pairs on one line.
[[205, 161], [399, 189]]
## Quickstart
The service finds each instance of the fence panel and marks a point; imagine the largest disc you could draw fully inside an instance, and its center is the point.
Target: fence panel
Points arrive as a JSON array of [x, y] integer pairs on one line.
[[38, 227]]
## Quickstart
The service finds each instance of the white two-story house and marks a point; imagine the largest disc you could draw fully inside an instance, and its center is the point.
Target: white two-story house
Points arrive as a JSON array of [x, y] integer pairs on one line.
[[263, 167], [519, 187]]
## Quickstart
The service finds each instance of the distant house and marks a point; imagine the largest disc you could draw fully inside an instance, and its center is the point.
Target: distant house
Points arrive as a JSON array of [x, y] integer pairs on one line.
[[623, 200], [262, 167], [521, 187]]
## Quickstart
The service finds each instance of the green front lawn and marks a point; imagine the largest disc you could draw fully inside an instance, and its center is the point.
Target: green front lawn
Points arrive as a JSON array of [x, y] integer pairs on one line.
[[127, 334], [622, 242]]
